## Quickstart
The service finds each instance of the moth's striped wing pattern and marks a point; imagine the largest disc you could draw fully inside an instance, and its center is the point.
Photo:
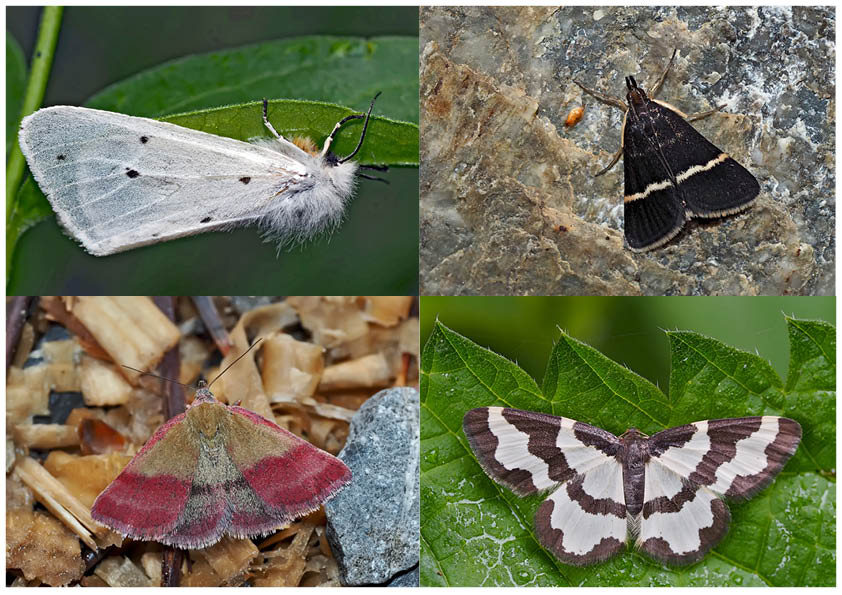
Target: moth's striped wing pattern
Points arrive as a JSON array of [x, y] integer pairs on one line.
[[583, 520], [694, 463], [606, 490]]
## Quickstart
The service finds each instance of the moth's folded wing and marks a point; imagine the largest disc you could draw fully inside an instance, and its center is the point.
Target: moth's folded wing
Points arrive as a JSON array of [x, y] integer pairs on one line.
[[712, 184], [118, 182], [733, 457], [146, 500], [680, 521], [584, 520], [284, 476], [530, 452], [653, 211]]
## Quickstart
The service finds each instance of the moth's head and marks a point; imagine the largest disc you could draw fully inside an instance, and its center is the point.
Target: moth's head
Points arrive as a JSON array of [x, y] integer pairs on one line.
[[636, 95], [632, 434]]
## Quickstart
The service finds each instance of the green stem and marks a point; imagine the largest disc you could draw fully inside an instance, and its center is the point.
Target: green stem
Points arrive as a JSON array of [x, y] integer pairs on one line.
[[39, 74]]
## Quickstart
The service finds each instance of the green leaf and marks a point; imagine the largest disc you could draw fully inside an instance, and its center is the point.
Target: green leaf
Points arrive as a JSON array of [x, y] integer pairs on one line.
[[31, 206], [387, 142], [15, 85], [475, 532], [343, 70]]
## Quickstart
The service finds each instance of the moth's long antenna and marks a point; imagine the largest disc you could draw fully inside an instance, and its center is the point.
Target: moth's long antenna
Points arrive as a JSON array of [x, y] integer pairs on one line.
[[142, 373], [365, 126], [253, 345]]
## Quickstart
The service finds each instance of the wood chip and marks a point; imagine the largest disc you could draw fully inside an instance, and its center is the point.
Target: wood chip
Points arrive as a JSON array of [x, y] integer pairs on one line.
[[131, 329], [102, 384], [45, 436], [42, 548], [367, 371], [387, 310], [290, 369], [222, 564], [119, 571]]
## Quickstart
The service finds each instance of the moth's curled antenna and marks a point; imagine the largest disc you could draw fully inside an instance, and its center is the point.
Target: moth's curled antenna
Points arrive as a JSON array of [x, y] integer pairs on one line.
[[365, 127], [253, 345]]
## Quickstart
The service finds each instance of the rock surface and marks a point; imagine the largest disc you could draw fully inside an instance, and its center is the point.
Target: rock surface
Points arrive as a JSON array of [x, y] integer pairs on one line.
[[373, 524], [509, 204]]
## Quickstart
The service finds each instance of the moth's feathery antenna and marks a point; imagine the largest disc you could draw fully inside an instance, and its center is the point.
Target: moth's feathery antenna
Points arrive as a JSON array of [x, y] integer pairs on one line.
[[253, 345]]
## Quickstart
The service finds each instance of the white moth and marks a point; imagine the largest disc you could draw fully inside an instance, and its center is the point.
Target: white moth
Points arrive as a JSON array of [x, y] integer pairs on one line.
[[118, 182], [661, 492]]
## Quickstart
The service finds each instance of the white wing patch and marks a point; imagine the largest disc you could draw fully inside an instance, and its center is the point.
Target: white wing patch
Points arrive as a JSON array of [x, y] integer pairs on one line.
[[678, 522], [685, 459], [584, 520], [751, 455], [512, 450]]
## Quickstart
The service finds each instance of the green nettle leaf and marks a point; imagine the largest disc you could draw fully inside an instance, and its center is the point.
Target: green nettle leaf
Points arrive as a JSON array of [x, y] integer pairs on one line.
[[475, 532]]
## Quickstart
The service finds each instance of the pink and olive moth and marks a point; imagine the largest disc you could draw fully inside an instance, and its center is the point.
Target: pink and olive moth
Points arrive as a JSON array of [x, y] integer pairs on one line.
[[214, 470]]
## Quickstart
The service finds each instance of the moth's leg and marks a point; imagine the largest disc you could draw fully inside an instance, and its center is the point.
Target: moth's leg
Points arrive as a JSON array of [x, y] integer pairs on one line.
[[267, 123], [656, 88], [339, 124], [280, 137], [607, 99], [614, 161], [701, 115], [618, 103], [336, 129]]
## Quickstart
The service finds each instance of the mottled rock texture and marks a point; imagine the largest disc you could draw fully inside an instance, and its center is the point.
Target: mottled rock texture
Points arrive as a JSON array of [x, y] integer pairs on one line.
[[509, 204]]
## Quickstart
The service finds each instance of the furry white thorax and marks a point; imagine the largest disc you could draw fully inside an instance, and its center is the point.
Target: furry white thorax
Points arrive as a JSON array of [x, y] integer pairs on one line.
[[316, 205]]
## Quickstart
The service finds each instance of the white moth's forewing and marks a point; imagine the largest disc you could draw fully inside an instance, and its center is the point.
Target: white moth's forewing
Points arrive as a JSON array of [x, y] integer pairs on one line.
[[117, 182]]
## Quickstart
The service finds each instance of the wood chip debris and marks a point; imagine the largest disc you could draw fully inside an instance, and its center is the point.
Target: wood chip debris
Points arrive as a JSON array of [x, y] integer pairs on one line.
[[75, 417]]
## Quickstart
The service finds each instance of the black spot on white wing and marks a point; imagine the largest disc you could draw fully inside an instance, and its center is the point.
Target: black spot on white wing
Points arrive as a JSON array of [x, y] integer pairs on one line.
[[144, 139], [132, 173], [584, 520], [734, 457], [529, 452], [680, 521]]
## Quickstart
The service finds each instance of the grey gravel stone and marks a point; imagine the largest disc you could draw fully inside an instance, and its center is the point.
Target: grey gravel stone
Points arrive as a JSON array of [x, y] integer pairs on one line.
[[509, 204], [373, 524], [409, 579]]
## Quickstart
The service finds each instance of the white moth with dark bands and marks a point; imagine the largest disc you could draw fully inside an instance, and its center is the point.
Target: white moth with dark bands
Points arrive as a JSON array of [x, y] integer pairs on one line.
[[118, 182], [663, 491]]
